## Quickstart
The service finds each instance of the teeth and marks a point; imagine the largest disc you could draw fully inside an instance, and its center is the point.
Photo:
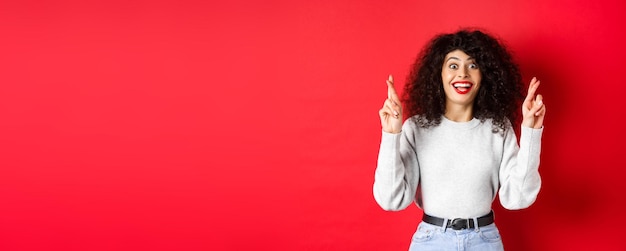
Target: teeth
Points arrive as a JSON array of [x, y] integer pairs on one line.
[[462, 85]]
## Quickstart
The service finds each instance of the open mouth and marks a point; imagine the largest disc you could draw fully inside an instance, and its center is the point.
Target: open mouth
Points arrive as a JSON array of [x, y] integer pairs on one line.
[[462, 87]]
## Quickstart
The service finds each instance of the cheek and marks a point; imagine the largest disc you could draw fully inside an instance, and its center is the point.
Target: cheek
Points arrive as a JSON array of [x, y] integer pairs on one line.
[[445, 80], [446, 76], [478, 76]]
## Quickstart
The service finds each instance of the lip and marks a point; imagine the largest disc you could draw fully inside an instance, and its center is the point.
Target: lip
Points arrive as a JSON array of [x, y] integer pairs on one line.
[[464, 90]]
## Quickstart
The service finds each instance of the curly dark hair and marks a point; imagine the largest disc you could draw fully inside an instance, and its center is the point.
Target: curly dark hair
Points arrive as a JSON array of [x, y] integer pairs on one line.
[[499, 95]]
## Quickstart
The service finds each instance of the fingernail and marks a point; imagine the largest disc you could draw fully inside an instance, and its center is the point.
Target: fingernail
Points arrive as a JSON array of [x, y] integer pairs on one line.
[[540, 102]]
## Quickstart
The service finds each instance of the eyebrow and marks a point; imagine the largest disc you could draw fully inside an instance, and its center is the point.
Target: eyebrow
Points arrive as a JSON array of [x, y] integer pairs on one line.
[[468, 59]]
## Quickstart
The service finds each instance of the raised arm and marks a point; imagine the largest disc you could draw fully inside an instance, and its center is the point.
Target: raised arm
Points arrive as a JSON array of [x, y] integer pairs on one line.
[[397, 173], [520, 181]]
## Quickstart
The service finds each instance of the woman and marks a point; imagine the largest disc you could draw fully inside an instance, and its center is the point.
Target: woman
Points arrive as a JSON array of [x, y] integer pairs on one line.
[[457, 148]]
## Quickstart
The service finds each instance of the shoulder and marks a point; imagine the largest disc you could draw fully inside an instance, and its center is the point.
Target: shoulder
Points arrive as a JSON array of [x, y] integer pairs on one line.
[[413, 123], [502, 129]]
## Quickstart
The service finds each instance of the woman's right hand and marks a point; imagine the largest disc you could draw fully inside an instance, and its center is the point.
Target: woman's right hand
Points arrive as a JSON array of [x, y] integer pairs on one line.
[[391, 113]]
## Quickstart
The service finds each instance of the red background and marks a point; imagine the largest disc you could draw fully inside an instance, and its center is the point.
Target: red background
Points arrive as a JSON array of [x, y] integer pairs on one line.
[[193, 125]]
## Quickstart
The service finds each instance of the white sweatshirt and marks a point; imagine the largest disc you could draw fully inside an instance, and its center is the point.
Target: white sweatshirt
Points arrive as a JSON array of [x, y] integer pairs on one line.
[[454, 170]]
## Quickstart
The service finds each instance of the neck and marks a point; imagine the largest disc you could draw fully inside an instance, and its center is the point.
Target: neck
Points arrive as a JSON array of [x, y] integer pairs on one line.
[[459, 113]]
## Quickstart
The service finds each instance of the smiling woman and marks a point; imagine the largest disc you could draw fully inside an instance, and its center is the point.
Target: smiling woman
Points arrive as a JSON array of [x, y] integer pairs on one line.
[[460, 97], [461, 79]]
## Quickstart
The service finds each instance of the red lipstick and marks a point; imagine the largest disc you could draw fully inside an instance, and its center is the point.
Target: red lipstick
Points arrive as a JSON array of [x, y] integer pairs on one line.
[[462, 87]]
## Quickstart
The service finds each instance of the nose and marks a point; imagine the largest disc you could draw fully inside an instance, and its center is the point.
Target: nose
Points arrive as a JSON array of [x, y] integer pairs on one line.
[[462, 73]]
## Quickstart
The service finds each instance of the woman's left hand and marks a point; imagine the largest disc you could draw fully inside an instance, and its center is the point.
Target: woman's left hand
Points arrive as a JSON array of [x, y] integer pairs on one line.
[[533, 108]]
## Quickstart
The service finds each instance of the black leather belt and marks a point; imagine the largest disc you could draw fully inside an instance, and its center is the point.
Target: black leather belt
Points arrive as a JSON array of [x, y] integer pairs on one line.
[[458, 223]]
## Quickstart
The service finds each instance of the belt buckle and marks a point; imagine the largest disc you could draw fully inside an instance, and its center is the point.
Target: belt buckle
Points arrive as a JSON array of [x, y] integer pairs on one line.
[[458, 224]]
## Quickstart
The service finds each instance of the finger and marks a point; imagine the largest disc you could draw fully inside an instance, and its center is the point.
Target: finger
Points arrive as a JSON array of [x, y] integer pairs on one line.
[[540, 117], [383, 112], [389, 82], [393, 107], [535, 106], [539, 104], [534, 84], [541, 112], [386, 112], [391, 90], [532, 87], [539, 100]]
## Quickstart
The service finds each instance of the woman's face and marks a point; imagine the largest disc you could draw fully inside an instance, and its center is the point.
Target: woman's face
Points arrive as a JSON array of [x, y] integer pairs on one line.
[[461, 78]]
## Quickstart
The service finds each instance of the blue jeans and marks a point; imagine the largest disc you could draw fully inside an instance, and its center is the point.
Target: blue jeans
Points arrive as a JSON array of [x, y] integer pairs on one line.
[[431, 237]]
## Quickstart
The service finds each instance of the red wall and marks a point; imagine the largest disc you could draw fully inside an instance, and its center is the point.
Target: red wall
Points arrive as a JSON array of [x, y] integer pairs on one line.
[[189, 125]]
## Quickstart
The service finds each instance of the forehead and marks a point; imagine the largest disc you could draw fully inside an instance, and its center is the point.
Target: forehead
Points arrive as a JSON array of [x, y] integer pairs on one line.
[[458, 55]]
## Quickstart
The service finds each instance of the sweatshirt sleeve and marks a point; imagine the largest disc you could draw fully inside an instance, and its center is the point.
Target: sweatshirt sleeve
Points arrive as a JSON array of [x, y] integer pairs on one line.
[[519, 171], [397, 172]]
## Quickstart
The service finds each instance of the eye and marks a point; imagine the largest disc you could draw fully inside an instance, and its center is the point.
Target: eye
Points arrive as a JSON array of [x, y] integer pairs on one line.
[[473, 66], [453, 66]]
